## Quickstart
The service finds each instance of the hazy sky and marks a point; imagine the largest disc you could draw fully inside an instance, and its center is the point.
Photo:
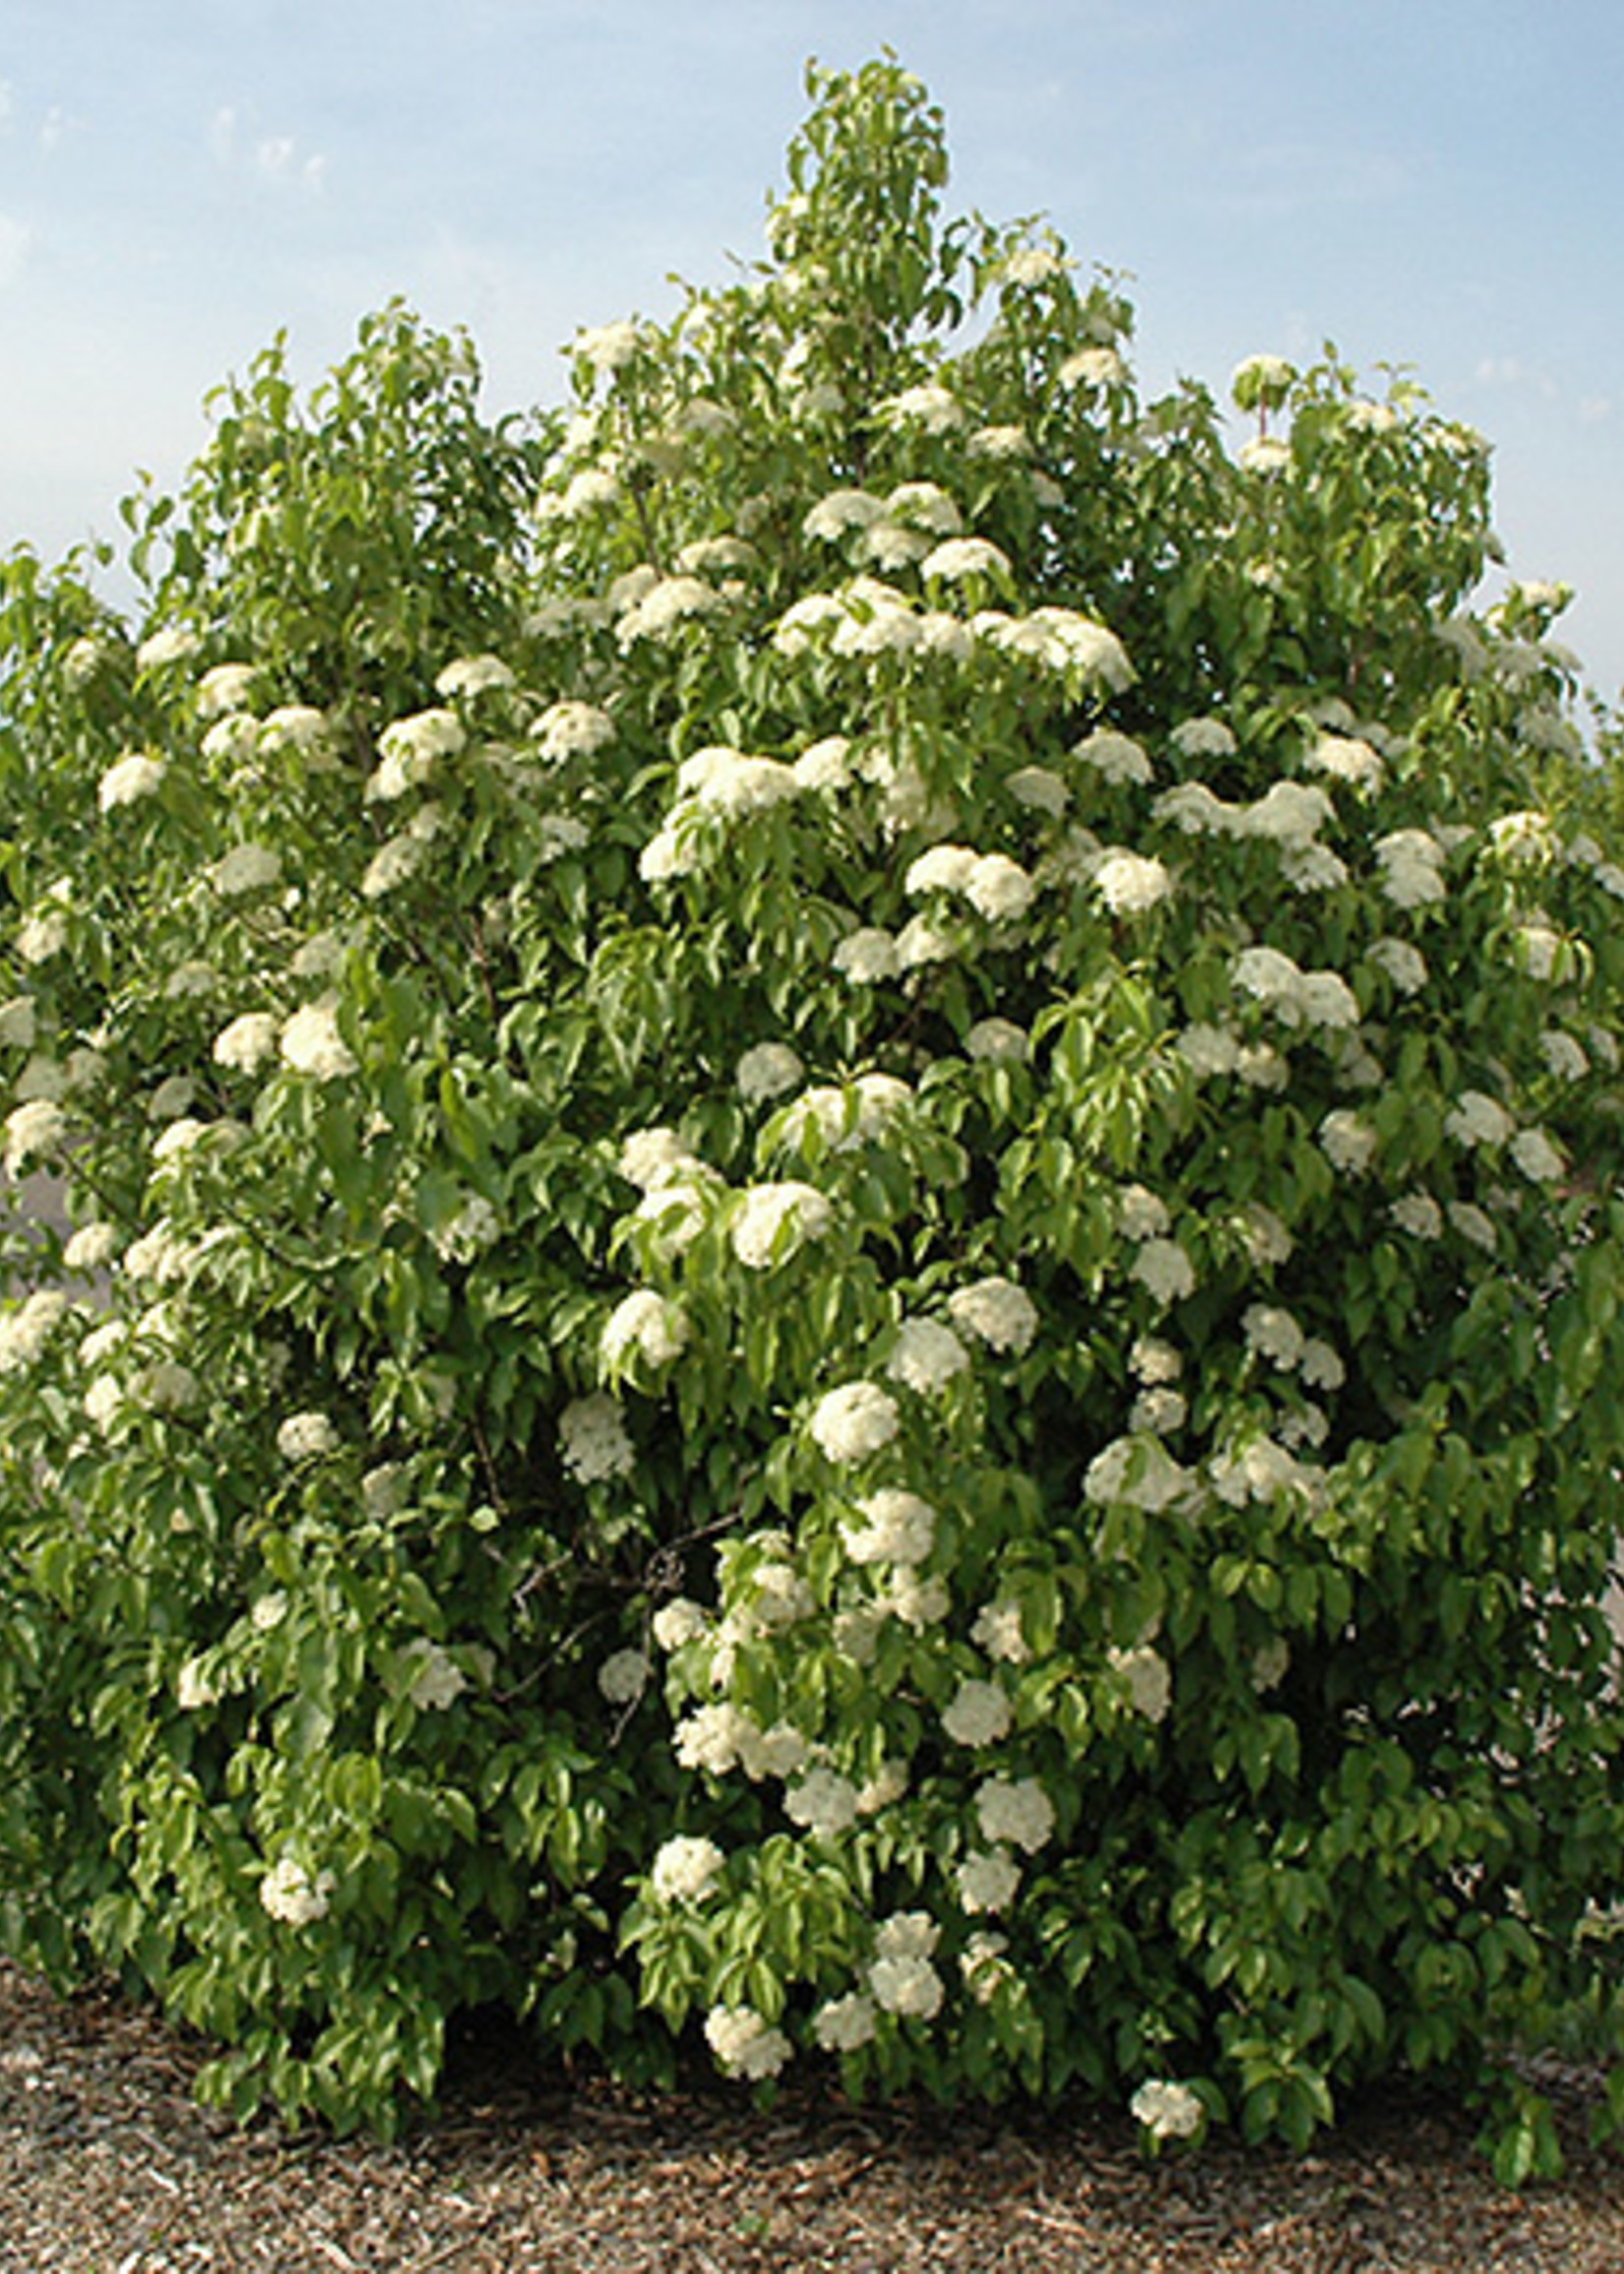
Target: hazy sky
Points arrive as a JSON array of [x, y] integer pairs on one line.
[[1423, 182]]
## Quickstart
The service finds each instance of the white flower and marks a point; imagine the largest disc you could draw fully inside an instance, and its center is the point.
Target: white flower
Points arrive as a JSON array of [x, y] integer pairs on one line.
[[17, 1022], [1138, 1471], [1265, 454], [249, 1042], [1273, 1333], [289, 1892], [91, 1247], [1269, 1664], [921, 942], [469, 1232], [822, 1803], [1537, 1158], [997, 1043], [963, 557], [979, 1714], [667, 606], [1472, 1224], [25, 1332], [1419, 1214], [713, 1738], [998, 1632], [1129, 884], [997, 1313], [1320, 1366], [1039, 789], [1477, 1118], [1092, 366], [299, 728], [899, 1528], [845, 2023], [436, 1680], [608, 347], [1540, 950], [1005, 441], [622, 1677], [593, 1441], [943, 868], [1403, 964], [1207, 1050], [1167, 2111], [1346, 759], [926, 1355], [775, 1221], [246, 868], [744, 2043], [1141, 1215], [311, 1043], [825, 765], [409, 748], [906, 1985], [1203, 738], [1015, 1810], [644, 1325], [1154, 1361], [652, 1157], [135, 775], [676, 1212], [1117, 758], [171, 644], [853, 1422], [1348, 1143], [1563, 1055], [33, 1132], [1157, 1412], [998, 888], [678, 1623], [1261, 1470], [571, 729], [1411, 868], [867, 956], [306, 1438], [1149, 1684], [988, 1880], [471, 676], [931, 407], [766, 1071], [685, 1869], [1163, 1267], [840, 513]]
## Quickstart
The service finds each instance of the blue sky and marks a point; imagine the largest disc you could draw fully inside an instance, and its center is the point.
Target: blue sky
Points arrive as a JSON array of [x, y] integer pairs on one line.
[[1423, 182]]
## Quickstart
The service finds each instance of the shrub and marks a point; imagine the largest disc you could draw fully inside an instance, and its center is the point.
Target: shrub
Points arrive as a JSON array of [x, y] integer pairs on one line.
[[853, 1133]]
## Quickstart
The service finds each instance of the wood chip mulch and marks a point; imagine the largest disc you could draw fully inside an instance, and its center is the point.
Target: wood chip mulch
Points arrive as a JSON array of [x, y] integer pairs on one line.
[[107, 2166]]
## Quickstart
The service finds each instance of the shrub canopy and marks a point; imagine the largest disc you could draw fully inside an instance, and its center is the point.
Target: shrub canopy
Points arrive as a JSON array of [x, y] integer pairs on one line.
[[844, 1259]]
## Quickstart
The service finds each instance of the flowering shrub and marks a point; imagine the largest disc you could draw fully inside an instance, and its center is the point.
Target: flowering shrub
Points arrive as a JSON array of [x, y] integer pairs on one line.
[[843, 1265]]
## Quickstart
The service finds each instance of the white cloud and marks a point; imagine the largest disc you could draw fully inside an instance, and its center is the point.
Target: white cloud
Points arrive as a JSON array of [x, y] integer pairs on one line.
[[14, 238], [235, 145], [52, 127], [274, 154], [1594, 410]]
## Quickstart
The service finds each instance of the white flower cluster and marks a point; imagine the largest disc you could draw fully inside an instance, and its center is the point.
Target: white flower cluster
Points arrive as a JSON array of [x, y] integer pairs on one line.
[[1167, 2111], [1149, 1684], [1016, 1811], [765, 1070], [132, 778], [978, 1714], [290, 1894], [25, 1331], [1409, 864], [899, 1527], [592, 1440], [745, 2043], [246, 868], [308, 1436], [571, 729], [1136, 1472], [775, 1221], [311, 1043], [997, 1313], [901, 1976], [34, 1131], [685, 1869], [926, 1355], [644, 1326], [1297, 998], [851, 1423], [995, 886], [410, 748], [843, 1119]]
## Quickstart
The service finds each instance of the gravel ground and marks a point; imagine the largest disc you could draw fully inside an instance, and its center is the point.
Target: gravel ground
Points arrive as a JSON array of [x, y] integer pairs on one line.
[[108, 2167]]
